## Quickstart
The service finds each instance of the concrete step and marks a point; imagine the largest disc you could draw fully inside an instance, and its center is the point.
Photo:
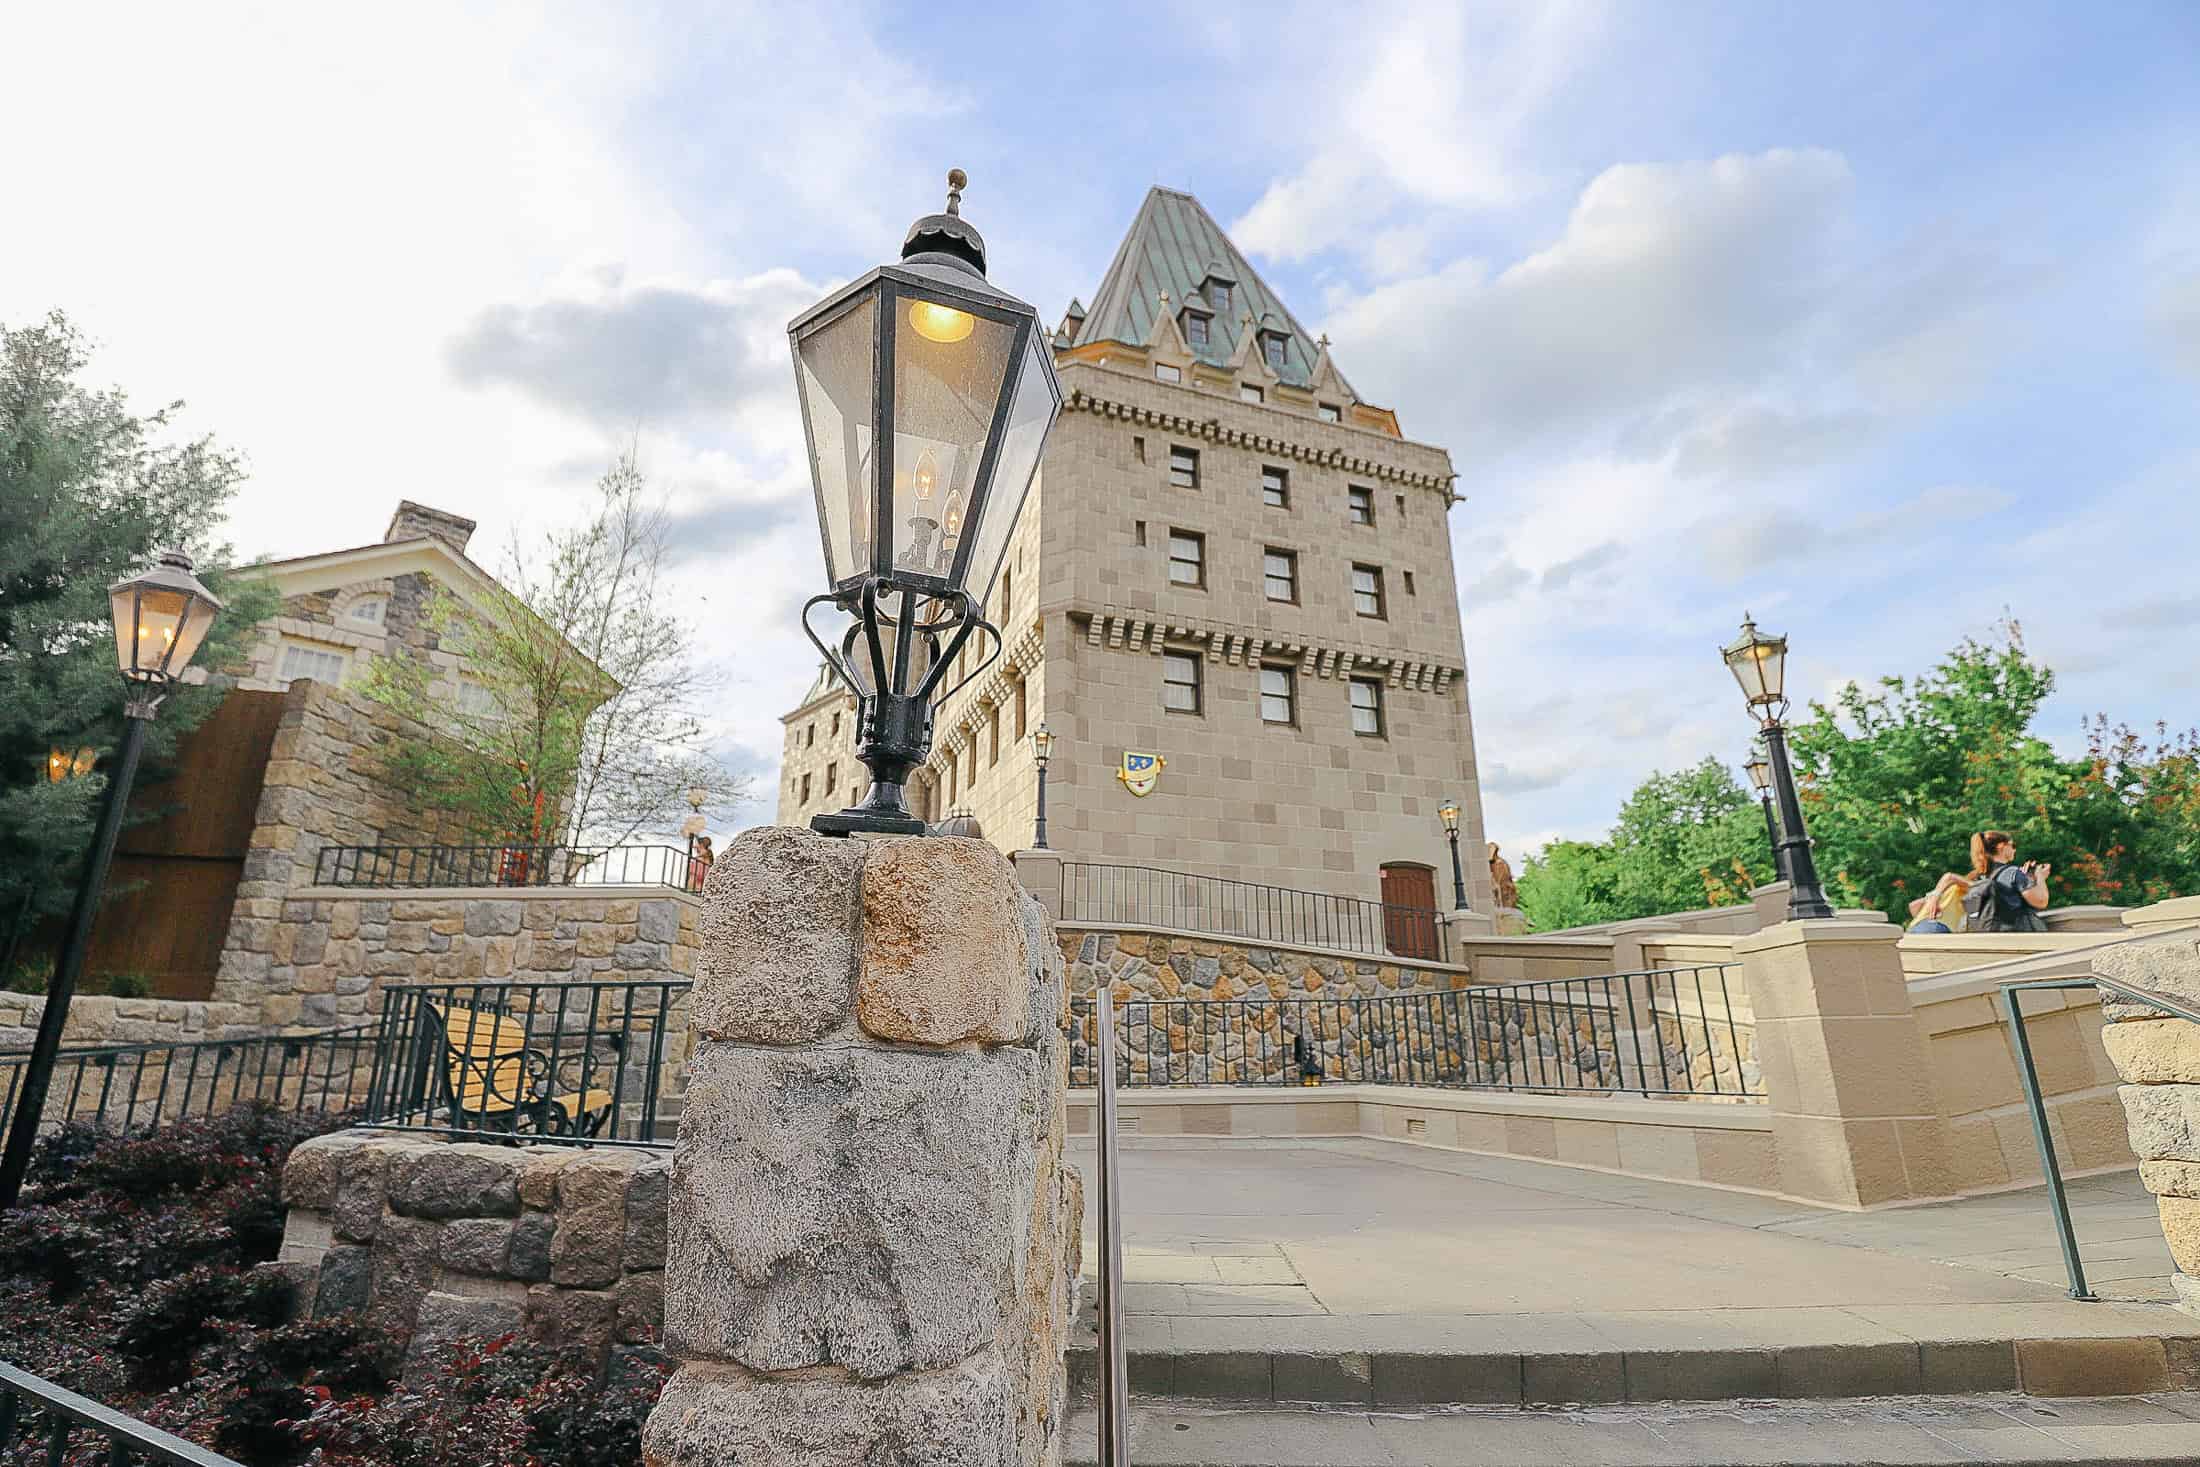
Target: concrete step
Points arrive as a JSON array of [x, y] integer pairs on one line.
[[1425, 1361], [2127, 1431]]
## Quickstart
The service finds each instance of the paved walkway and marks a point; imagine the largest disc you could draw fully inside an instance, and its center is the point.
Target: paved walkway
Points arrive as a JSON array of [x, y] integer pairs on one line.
[[1340, 1247]]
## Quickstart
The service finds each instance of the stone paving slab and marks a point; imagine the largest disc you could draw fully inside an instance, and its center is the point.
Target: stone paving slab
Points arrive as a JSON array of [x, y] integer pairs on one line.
[[2149, 1431]]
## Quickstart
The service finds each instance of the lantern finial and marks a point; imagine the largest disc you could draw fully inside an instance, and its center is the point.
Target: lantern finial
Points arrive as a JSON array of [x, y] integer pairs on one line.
[[957, 181]]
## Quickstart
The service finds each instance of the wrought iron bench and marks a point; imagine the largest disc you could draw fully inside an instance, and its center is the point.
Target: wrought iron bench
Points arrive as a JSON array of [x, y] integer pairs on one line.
[[494, 1078]]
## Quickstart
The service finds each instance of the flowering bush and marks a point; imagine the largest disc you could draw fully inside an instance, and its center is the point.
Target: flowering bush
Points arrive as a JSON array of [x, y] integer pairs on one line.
[[129, 1275]]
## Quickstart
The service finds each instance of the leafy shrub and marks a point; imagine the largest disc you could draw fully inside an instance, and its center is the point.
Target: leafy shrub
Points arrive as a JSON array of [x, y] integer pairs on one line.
[[127, 985], [174, 1317]]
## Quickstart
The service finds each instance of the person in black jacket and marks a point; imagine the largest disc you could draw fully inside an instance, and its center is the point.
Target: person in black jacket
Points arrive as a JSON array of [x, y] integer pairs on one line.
[[2004, 896]]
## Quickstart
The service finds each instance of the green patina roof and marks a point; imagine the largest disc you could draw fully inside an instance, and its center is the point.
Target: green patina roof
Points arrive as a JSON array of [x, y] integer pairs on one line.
[[1175, 246]]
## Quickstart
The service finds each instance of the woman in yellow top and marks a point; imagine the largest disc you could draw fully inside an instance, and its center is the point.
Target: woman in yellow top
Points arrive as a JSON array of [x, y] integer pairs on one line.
[[1942, 909]]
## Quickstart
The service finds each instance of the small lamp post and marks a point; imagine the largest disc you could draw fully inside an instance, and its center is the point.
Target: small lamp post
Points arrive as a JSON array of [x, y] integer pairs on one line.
[[1759, 665], [1042, 749], [1448, 812], [1759, 769], [927, 396], [63, 765], [160, 618]]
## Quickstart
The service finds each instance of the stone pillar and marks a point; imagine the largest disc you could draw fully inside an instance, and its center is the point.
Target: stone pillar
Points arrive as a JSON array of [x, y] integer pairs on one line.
[[2158, 1057], [1770, 903], [1465, 927], [1041, 875], [1854, 1119], [872, 1244]]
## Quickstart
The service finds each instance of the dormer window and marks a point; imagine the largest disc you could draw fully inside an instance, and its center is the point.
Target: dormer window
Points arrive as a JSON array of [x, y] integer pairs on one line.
[[1195, 329], [1271, 349], [368, 610], [1218, 296]]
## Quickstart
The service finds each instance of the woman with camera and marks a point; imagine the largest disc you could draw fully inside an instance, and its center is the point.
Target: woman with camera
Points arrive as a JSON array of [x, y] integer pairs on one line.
[[2004, 897]]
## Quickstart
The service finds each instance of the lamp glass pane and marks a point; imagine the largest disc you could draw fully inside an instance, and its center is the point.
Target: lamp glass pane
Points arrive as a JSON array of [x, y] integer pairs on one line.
[[1760, 774], [1757, 664], [834, 374], [160, 628], [123, 610], [948, 369], [197, 622], [1030, 417]]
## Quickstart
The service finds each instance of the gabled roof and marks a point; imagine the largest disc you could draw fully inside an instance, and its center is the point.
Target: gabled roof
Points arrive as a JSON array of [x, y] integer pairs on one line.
[[1175, 246]]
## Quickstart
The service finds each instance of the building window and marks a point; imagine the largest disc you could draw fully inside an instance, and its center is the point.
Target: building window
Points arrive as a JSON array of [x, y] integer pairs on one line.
[[1275, 487], [832, 777], [322, 664], [1367, 590], [1180, 682], [809, 736], [1279, 695], [369, 610], [993, 736], [1183, 466], [1247, 392], [1022, 690], [1187, 558], [1163, 372], [1280, 570], [1218, 296], [805, 789], [1271, 349], [1359, 503], [1195, 329], [1138, 531], [1329, 412], [1367, 707], [1138, 447], [835, 729], [1409, 584]]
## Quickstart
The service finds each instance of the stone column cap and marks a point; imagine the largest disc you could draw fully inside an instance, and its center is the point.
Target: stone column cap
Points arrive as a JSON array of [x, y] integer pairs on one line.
[[1817, 929]]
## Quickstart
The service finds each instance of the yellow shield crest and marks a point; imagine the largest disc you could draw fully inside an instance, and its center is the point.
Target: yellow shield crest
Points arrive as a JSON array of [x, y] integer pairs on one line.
[[1140, 771]]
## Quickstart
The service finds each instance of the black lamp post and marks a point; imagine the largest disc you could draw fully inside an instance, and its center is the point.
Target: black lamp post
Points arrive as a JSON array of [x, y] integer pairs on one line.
[[160, 617], [1449, 814], [927, 396], [1759, 664], [1042, 749], [1759, 769]]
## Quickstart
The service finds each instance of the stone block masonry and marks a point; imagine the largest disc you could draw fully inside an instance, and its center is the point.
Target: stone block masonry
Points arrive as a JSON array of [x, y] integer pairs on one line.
[[872, 1251], [2158, 1056]]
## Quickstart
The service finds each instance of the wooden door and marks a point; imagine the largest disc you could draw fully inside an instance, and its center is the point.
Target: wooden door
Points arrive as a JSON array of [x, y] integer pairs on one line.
[[1409, 910]]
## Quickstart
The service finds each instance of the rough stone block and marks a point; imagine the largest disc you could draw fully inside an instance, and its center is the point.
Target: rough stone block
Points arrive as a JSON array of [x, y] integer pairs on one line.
[[403, 1269], [445, 1319], [538, 1173], [658, 922], [492, 918], [590, 1243], [847, 1206], [314, 1171], [959, 1417], [2164, 1121], [648, 1194], [639, 1301], [2168, 965], [2155, 1051], [477, 1244], [528, 1256], [2181, 1230], [582, 1317], [778, 937], [2171, 1178], [346, 1276], [944, 956], [464, 1180]]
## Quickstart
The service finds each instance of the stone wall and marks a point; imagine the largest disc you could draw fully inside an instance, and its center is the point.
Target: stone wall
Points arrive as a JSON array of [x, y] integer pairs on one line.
[[98, 1019], [2158, 1057], [1167, 962], [440, 1240]]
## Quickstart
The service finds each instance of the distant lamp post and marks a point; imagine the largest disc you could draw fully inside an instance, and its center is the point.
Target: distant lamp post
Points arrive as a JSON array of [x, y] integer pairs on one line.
[[927, 396], [1759, 769], [63, 765], [1759, 665], [1042, 749], [160, 618], [1448, 812]]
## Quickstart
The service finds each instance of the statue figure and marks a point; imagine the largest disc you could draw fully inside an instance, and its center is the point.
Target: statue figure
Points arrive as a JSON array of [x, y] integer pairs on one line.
[[1501, 880]]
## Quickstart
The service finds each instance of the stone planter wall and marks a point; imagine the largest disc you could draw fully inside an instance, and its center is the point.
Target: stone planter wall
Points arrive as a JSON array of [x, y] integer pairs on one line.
[[441, 1240], [98, 1019], [2158, 1057]]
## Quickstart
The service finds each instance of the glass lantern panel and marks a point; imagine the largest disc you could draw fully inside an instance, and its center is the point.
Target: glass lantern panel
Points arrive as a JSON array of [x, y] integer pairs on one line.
[[198, 620], [834, 373], [1030, 416], [1756, 662], [159, 616], [948, 368]]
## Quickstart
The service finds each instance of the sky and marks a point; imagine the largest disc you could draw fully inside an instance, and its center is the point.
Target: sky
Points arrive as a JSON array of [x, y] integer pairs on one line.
[[1879, 321]]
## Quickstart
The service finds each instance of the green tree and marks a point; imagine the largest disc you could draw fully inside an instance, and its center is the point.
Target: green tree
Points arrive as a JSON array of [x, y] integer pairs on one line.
[[1684, 840], [88, 491], [575, 719]]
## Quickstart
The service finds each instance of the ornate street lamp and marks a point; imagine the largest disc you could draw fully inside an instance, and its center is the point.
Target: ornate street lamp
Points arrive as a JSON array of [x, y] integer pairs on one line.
[[1042, 749], [1448, 812], [1759, 664], [63, 765], [1759, 769], [927, 396], [160, 617]]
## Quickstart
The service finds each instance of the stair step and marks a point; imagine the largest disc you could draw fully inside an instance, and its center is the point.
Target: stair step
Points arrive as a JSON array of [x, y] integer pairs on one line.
[[2138, 1431]]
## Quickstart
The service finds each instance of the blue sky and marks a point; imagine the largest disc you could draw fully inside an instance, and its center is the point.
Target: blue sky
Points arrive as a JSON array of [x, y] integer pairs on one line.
[[1876, 320]]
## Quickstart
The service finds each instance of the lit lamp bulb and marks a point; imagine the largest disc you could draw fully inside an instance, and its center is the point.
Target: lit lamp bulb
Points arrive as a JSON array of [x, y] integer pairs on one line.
[[927, 475], [944, 324]]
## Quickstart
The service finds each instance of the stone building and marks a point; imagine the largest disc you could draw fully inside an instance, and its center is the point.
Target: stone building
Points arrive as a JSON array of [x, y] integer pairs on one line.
[[1229, 561]]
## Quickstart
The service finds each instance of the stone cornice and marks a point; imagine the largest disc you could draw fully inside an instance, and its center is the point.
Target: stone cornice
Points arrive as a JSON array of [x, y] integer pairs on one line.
[[1136, 631], [1213, 430]]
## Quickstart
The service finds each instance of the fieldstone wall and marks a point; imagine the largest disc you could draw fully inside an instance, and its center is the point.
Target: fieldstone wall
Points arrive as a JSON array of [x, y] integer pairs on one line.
[[1153, 963], [98, 1019], [873, 1246], [441, 1240], [2158, 1056]]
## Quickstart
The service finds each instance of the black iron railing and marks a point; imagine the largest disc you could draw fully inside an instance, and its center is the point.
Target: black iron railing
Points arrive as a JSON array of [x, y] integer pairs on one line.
[[1148, 896], [1668, 1031], [127, 1086], [581, 1063], [397, 867], [38, 1411]]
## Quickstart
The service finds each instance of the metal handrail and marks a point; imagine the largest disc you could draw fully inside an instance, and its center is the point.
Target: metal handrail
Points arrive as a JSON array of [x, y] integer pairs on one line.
[[128, 1439], [1287, 916], [1114, 1387], [406, 867], [2036, 1105]]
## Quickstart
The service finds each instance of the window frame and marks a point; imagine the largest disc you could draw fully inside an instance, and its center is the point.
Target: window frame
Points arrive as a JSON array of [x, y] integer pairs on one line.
[[1198, 559], [1250, 392], [381, 605], [1168, 372], [1273, 346], [1183, 466], [1375, 706], [318, 650], [1329, 412], [1219, 294], [1196, 330], [1197, 682], [1275, 487], [1290, 576], [1382, 603], [1289, 695], [804, 797], [1359, 504]]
